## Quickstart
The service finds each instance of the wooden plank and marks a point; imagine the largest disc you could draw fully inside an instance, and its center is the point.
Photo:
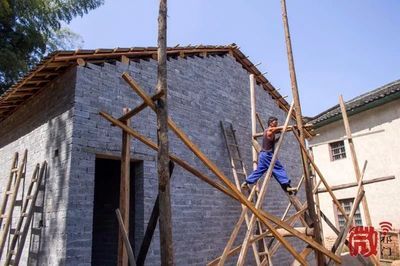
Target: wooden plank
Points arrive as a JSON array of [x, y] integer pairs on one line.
[[124, 192], [354, 160], [263, 214], [128, 246], [354, 184], [151, 227]]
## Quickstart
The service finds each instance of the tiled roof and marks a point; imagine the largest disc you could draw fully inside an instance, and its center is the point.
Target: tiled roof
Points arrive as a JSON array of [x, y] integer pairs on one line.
[[58, 62], [360, 103]]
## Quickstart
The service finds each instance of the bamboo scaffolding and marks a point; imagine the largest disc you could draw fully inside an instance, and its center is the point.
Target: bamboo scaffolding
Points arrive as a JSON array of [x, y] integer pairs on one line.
[[261, 195], [263, 216]]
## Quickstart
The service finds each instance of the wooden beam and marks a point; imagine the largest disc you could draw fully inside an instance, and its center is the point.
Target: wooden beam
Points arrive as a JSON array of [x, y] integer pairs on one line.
[[354, 160], [141, 107], [128, 246], [81, 62], [349, 185], [125, 60], [124, 194], [263, 217]]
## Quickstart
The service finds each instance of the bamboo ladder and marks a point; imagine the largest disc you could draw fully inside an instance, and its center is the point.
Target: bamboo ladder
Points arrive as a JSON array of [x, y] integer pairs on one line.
[[238, 169], [25, 217], [9, 197]]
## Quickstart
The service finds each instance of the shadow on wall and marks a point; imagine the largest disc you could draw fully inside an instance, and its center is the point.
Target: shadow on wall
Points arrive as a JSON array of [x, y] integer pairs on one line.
[[58, 152]]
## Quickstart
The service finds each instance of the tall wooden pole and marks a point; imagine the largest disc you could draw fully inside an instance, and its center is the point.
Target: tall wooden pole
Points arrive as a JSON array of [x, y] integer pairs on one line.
[[124, 192], [297, 106], [356, 166], [166, 245], [253, 118]]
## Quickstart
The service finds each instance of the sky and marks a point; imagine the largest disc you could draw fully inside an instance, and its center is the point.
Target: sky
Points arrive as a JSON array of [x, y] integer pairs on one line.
[[340, 47]]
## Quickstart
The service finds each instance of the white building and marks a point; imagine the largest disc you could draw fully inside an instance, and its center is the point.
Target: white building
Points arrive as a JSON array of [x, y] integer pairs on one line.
[[374, 119]]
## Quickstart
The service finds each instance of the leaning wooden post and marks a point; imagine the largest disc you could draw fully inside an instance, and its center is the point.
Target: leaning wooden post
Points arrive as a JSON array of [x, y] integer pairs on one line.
[[124, 191], [166, 245], [295, 92], [357, 171]]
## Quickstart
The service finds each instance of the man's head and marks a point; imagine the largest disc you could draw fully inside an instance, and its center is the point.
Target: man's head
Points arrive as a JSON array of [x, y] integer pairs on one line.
[[272, 121]]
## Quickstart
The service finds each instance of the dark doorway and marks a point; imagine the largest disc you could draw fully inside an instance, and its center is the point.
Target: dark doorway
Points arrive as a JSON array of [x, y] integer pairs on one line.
[[106, 200]]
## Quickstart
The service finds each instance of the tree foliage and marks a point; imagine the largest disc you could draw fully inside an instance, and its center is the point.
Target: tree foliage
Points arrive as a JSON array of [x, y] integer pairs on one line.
[[29, 29]]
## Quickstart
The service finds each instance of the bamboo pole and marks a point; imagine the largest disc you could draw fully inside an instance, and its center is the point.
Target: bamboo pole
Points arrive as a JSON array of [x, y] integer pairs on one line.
[[295, 92], [253, 149], [124, 194], [354, 160], [354, 184], [263, 216]]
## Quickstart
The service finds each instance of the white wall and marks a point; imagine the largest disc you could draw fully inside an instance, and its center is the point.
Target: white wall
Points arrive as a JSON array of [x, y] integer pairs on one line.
[[381, 149]]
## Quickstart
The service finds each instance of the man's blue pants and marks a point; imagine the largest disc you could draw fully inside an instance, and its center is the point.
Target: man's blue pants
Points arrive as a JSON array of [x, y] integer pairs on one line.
[[264, 161]]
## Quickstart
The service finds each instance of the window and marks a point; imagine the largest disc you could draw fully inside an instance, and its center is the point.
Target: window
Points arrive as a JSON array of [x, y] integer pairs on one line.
[[347, 204], [337, 150]]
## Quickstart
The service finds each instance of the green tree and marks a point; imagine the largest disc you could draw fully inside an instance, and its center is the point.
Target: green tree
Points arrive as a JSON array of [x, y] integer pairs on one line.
[[29, 29]]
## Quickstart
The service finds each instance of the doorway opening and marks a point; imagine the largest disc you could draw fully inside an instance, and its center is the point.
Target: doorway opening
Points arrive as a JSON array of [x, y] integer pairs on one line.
[[106, 200]]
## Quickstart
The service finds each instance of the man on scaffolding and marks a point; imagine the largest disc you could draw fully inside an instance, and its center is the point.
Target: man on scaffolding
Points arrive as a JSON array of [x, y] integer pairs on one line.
[[265, 157]]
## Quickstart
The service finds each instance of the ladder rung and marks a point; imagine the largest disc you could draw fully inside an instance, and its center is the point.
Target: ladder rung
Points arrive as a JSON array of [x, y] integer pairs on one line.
[[34, 180], [233, 144], [14, 170], [264, 253], [3, 216], [240, 173], [9, 192], [12, 252], [29, 197], [24, 214]]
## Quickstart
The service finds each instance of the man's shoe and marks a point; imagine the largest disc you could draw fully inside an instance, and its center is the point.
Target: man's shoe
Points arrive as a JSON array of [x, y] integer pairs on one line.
[[245, 186]]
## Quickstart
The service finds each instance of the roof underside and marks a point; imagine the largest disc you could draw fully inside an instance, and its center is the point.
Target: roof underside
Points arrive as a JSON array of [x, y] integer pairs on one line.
[[366, 101], [58, 62]]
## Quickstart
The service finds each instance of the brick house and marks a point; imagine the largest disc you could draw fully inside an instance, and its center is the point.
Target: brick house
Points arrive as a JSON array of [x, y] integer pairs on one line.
[[54, 113]]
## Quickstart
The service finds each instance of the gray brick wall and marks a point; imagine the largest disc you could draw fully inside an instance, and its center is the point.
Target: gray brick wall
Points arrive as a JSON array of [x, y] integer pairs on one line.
[[202, 91], [42, 126]]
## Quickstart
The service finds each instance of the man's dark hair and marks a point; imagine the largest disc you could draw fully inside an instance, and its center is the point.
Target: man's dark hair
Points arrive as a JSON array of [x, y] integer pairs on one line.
[[272, 119]]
